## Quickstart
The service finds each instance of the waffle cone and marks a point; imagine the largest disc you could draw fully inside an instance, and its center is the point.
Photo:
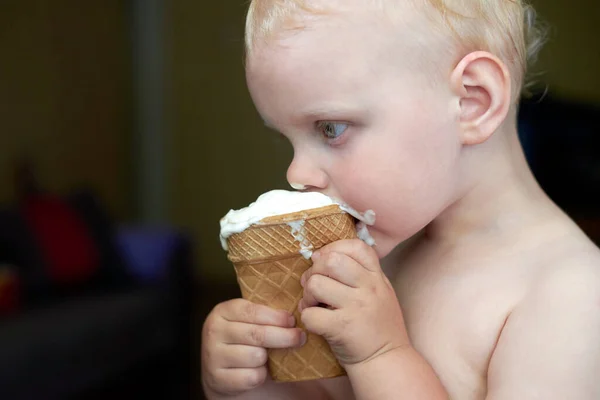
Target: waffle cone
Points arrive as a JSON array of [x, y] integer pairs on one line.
[[268, 265]]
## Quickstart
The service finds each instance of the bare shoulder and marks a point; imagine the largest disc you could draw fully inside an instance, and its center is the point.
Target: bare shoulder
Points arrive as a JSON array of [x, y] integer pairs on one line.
[[565, 262], [549, 345], [568, 286], [574, 272]]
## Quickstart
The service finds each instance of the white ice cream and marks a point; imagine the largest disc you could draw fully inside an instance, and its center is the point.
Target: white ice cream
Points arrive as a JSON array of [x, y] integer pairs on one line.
[[363, 233], [279, 202], [299, 233]]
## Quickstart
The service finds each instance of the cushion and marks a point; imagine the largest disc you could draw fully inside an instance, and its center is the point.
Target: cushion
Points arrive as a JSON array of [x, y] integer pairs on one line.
[[19, 249], [69, 251], [9, 291], [112, 272], [148, 252]]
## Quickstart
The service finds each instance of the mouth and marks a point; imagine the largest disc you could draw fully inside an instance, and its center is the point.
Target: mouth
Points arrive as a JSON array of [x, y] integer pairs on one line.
[[367, 217]]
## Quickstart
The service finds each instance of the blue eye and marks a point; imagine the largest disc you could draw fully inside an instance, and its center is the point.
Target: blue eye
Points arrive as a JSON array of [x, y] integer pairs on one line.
[[331, 130]]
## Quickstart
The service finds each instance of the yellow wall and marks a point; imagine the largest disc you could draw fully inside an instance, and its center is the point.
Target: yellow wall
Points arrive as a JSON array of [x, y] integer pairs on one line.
[[222, 156], [570, 61], [64, 96]]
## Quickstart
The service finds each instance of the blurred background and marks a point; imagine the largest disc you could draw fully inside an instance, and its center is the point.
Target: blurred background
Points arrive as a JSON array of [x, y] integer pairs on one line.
[[126, 132]]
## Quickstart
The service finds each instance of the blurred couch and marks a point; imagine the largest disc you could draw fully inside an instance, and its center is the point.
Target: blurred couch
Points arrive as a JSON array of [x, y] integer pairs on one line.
[[71, 330]]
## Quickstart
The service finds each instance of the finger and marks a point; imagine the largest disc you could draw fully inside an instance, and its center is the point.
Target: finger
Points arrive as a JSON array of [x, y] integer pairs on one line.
[[322, 289], [338, 266], [307, 274], [236, 380], [356, 249], [318, 320], [242, 356], [241, 310], [271, 337]]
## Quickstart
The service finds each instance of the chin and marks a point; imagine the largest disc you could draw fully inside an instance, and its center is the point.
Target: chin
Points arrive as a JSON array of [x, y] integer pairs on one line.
[[383, 245], [383, 250], [381, 253]]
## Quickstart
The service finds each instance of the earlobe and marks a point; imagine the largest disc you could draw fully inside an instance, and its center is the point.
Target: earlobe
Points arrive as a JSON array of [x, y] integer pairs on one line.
[[482, 83]]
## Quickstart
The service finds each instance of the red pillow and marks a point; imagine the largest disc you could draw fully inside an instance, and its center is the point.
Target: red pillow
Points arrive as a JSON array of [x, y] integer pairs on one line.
[[68, 249], [9, 291]]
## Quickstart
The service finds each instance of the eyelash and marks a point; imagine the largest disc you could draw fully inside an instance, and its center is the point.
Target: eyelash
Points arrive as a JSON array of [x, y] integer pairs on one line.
[[321, 127]]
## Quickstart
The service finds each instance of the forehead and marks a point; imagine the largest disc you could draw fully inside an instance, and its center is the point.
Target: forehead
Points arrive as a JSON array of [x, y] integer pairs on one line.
[[319, 39], [357, 37], [336, 57]]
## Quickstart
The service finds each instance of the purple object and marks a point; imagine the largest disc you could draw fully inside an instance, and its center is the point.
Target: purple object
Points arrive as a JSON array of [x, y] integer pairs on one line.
[[147, 252]]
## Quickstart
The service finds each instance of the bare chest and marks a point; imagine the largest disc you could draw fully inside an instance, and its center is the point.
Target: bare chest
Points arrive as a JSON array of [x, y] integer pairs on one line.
[[454, 320]]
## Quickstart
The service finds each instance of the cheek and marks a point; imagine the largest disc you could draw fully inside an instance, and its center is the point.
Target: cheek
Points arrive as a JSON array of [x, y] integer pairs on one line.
[[407, 181], [374, 179]]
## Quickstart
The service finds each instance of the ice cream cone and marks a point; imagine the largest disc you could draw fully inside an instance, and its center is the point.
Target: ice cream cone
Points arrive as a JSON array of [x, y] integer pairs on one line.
[[268, 259]]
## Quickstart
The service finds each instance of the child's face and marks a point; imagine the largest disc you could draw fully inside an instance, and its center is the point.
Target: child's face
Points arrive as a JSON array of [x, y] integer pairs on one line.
[[366, 126]]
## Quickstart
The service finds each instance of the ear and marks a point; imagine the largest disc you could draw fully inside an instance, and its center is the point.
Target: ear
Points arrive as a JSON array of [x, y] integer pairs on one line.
[[482, 83]]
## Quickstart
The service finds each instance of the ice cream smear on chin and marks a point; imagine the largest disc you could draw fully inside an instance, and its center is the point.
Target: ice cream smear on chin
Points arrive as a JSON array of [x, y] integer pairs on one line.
[[278, 202]]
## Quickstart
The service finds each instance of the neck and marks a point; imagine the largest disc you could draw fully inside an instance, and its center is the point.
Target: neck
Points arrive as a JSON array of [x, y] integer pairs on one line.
[[501, 193]]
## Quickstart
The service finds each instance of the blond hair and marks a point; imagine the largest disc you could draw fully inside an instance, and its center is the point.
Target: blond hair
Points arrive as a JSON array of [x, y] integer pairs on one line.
[[506, 28]]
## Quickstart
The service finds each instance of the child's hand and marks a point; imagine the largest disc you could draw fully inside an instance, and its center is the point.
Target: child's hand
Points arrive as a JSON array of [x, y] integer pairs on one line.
[[235, 337], [362, 318]]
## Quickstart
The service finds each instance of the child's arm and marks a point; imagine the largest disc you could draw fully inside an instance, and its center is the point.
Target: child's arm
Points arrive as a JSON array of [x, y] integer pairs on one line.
[[401, 373], [285, 391], [364, 325], [550, 346], [322, 389]]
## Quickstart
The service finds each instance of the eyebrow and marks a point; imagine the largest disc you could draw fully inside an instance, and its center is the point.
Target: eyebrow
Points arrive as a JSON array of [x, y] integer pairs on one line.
[[320, 112], [326, 111]]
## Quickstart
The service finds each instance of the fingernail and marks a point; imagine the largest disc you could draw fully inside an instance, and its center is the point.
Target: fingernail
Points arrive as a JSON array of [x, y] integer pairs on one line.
[[316, 255], [303, 280], [302, 338], [292, 320]]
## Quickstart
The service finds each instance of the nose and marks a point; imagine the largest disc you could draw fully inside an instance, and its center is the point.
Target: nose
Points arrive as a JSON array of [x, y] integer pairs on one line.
[[305, 174]]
